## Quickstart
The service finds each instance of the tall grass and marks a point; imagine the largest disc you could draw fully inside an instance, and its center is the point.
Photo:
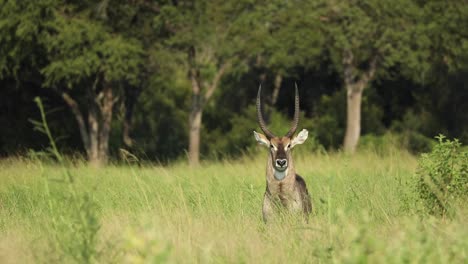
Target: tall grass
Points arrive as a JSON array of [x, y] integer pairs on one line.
[[364, 211]]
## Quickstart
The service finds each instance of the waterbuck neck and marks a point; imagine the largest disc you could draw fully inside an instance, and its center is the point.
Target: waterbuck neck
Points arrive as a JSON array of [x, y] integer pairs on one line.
[[280, 175]]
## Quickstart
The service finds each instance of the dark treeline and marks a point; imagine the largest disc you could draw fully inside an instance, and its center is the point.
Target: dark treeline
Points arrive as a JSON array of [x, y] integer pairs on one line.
[[169, 79]]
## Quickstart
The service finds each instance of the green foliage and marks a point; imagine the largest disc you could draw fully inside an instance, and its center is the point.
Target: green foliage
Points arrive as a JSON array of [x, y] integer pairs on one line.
[[238, 138], [287, 34], [448, 41], [144, 44], [416, 142], [20, 26], [443, 177], [412, 130], [160, 119], [209, 27], [81, 49], [369, 28]]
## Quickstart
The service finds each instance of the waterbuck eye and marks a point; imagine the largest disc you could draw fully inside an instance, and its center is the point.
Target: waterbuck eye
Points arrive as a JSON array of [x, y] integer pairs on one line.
[[271, 146], [289, 145]]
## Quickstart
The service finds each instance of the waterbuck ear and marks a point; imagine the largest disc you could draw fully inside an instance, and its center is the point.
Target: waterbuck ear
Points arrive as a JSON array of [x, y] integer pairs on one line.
[[261, 139], [300, 138]]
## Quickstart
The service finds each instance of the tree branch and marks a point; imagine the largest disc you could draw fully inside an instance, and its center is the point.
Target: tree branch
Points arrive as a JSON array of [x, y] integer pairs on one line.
[[193, 71], [216, 79], [352, 81], [369, 74], [79, 118], [348, 66]]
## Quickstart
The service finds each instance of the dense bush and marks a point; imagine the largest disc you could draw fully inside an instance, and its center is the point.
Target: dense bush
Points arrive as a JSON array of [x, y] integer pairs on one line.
[[413, 130], [237, 138], [442, 178]]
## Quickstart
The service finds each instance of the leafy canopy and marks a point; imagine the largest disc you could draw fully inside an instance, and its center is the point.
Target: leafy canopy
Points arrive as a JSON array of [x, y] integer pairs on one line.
[[80, 48]]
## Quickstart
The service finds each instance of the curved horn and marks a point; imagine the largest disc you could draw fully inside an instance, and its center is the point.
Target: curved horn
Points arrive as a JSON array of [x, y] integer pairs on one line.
[[295, 121], [261, 122]]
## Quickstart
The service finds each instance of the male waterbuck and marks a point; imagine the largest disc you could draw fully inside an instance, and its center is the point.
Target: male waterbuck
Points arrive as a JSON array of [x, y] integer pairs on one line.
[[285, 189]]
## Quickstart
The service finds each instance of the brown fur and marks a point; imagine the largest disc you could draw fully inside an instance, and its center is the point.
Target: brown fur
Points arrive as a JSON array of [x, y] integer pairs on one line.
[[285, 189], [289, 193], [305, 197]]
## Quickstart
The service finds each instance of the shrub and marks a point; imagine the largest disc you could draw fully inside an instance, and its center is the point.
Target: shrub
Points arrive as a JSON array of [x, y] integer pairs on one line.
[[238, 138], [413, 129], [416, 142], [442, 176]]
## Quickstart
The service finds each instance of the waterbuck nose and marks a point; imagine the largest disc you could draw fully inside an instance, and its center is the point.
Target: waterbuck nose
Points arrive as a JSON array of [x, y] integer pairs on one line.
[[281, 162]]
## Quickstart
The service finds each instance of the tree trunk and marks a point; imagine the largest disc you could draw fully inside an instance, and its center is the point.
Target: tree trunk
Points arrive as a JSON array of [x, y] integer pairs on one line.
[[194, 135], [196, 109], [93, 131], [106, 106], [131, 96], [276, 88], [355, 84], [79, 119], [199, 99], [353, 119], [95, 136]]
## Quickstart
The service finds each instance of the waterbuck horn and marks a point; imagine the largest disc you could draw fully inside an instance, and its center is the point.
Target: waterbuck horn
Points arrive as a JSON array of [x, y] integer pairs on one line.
[[295, 121], [261, 122]]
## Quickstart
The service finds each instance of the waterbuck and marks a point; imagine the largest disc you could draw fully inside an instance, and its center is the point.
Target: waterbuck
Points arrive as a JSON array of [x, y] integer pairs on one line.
[[284, 188]]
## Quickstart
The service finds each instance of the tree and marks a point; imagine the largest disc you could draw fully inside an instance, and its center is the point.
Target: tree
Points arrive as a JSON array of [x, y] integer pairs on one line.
[[441, 67], [83, 55], [20, 25], [206, 33], [288, 38], [365, 38]]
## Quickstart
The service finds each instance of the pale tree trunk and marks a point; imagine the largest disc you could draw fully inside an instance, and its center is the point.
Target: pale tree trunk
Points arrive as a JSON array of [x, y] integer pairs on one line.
[[93, 131], [195, 118], [200, 95], [194, 135], [131, 96], [276, 88], [353, 119], [79, 119], [128, 141], [355, 86], [274, 96], [106, 105]]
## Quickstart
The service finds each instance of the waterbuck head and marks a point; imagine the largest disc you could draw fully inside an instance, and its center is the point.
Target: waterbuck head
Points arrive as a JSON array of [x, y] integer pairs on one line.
[[280, 147]]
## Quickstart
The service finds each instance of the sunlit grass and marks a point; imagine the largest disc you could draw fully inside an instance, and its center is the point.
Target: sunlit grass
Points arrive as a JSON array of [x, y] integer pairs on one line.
[[364, 211]]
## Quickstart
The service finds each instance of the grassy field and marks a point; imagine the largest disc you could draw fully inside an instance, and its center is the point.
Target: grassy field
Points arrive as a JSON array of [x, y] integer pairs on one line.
[[365, 211]]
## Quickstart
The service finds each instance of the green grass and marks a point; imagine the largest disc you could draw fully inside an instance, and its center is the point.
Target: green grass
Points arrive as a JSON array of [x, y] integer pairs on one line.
[[365, 211]]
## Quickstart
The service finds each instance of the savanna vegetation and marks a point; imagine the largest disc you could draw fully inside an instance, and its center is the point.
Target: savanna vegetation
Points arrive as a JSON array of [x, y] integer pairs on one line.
[[367, 209], [126, 130], [168, 80], [381, 205]]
